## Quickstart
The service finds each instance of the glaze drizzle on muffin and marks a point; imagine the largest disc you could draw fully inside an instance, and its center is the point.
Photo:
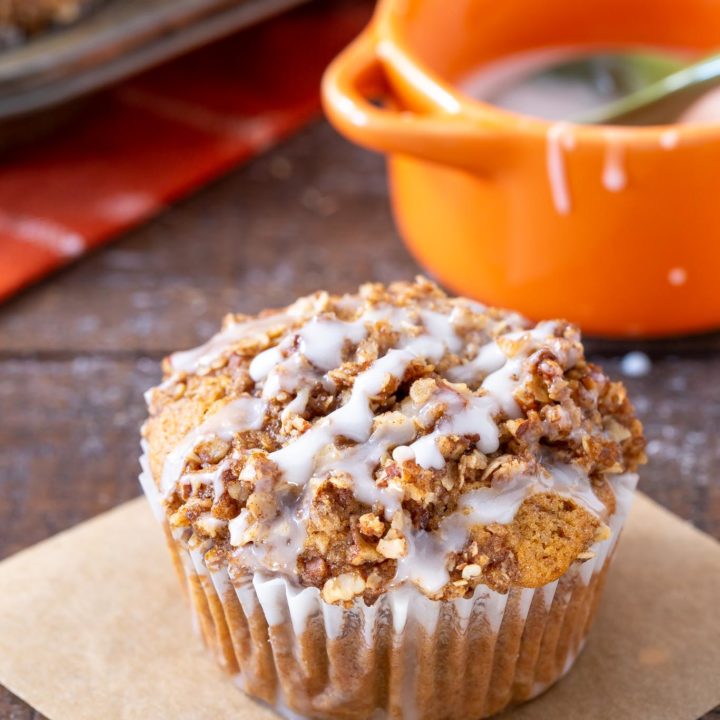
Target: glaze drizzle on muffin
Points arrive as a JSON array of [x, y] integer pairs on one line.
[[359, 442]]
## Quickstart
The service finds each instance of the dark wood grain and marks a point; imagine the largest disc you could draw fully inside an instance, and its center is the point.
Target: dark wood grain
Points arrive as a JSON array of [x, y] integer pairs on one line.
[[77, 351]]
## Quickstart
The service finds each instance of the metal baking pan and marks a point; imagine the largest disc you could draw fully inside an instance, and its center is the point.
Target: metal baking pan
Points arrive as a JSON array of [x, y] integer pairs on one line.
[[116, 40]]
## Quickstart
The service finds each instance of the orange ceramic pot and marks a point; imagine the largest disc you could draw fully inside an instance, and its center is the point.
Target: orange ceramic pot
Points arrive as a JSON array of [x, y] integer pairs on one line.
[[617, 229]]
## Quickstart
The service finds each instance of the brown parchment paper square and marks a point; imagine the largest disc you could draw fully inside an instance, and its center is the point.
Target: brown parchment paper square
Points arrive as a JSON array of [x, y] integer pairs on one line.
[[93, 625]]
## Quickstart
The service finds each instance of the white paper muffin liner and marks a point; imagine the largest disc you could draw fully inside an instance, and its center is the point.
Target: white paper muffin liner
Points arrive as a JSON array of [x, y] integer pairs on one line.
[[405, 657]]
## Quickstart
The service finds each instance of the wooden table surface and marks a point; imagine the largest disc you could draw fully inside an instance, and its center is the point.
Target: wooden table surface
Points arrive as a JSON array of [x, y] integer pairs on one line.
[[78, 350]]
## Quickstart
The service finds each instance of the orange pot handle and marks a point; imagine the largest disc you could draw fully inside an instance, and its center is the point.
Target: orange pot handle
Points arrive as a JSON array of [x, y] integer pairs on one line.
[[357, 74]]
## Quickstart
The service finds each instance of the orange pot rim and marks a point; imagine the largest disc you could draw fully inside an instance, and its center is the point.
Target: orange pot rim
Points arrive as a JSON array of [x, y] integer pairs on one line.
[[385, 30]]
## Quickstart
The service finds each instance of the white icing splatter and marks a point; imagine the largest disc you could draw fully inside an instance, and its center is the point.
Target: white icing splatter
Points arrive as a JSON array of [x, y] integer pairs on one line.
[[677, 276], [635, 364], [669, 139]]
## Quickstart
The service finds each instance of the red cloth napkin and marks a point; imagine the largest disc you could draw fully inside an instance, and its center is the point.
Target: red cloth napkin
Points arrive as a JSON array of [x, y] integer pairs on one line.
[[156, 137]]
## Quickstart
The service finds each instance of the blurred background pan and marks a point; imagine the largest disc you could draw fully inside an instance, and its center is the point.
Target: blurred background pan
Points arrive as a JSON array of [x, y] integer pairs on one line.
[[42, 78]]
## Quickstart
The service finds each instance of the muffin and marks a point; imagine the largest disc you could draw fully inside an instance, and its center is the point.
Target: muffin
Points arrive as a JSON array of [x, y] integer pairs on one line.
[[393, 503], [31, 16]]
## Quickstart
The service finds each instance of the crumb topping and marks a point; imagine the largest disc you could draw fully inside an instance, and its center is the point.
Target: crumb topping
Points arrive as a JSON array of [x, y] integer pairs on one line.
[[31, 16], [355, 443]]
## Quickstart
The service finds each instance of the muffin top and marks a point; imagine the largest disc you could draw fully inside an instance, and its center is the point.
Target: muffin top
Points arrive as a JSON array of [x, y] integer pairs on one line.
[[360, 442]]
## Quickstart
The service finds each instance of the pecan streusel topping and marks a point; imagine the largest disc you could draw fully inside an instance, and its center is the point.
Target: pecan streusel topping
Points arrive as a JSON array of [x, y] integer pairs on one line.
[[355, 443]]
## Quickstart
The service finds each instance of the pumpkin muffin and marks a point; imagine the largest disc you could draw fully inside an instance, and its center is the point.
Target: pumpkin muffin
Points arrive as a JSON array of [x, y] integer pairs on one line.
[[391, 503], [31, 16]]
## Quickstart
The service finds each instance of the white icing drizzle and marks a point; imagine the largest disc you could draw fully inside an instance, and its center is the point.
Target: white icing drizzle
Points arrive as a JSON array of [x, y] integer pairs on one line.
[[298, 405], [501, 383], [559, 139], [280, 545], [469, 415], [245, 413], [353, 420], [614, 178], [212, 477], [571, 482], [494, 504], [425, 563], [402, 453], [440, 327], [361, 460], [488, 359], [322, 341], [265, 361], [288, 376], [210, 522], [201, 358], [297, 363]]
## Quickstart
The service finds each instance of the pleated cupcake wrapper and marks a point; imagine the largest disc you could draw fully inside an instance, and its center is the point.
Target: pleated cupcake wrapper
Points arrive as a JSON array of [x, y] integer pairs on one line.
[[406, 656]]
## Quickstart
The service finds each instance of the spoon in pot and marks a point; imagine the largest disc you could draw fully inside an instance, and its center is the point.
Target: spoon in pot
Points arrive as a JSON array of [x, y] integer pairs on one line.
[[660, 101], [622, 88]]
